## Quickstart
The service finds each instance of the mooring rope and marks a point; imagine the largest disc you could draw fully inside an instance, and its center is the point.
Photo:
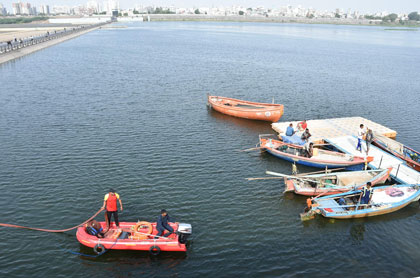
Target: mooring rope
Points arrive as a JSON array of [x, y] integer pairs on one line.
[[48, 230]]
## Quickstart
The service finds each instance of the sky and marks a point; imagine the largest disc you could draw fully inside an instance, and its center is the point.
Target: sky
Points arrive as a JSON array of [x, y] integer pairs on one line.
[[365, 6]]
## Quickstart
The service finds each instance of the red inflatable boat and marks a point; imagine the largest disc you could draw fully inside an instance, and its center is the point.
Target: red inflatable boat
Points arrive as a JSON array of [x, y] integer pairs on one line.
[[136, 236]]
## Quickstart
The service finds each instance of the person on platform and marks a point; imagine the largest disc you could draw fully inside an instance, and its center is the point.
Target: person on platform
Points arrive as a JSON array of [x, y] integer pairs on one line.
[[366, 194], [110, 204], [360, 134], [306, 135], [369, 139], [162, 224], [290, 131], [302, 125]]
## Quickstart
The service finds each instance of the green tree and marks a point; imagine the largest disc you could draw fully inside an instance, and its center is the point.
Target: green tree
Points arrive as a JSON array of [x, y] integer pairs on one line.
[[414, 16], [125, 14], [337, 15], [241, 12], [197, 11], [136, 12]]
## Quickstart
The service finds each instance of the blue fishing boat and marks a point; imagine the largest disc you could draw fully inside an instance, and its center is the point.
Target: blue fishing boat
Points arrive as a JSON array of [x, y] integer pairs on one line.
[[385, 199], [320, 158]]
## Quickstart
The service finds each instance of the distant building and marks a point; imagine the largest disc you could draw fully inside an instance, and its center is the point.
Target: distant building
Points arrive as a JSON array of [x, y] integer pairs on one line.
[[16, 8], [92, 7], [44, 9], [61, 9], [3, 11]]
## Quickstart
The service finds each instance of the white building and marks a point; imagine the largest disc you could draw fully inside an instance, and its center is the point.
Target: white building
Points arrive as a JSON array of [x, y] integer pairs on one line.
[[92, 7], [44, 9], [3, 10], [61, 9], [16, 8]]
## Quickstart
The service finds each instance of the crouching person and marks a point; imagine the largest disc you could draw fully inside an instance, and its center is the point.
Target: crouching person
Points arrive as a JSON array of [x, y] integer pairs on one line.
[[162, 224], [94, 228]]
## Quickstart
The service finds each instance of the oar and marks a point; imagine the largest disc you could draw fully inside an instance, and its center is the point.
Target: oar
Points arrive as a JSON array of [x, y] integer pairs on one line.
[[251, 149], [320, 172], [289, 176], [264, 178]]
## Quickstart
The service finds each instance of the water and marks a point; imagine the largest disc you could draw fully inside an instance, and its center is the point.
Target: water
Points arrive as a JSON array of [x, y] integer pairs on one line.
[[126, 108]]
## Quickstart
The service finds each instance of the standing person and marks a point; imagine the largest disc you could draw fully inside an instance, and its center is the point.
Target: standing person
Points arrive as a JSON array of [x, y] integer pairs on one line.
[[369, 139], [290, 131], [302, 125], [110, 204], [162, 224], [366, 194], [360, 135]]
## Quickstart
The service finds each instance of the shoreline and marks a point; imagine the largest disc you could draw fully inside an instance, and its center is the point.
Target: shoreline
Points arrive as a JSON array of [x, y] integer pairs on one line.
[[298, 20], [15, 54]]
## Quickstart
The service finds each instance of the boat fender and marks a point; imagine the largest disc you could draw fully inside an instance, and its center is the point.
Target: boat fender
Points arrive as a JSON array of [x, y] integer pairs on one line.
[[154, 250], [99, 249]]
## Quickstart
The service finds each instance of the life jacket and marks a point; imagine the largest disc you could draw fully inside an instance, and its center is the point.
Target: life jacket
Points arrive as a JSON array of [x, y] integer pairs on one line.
[[111, 202]]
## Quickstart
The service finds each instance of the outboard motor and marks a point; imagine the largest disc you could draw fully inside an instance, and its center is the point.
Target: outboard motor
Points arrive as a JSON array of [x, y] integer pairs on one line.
[[184, 231]]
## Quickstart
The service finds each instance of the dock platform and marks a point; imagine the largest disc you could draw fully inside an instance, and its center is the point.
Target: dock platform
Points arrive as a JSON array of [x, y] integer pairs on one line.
[[336, 127], [400, 171]]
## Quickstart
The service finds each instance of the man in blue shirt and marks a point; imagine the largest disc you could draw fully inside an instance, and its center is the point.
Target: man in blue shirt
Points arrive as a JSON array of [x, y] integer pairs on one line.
[[162, 224], [290, 131], [366, 194]]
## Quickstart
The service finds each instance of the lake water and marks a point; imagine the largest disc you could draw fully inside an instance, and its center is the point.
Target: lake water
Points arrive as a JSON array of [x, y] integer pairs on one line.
[[126, 108]]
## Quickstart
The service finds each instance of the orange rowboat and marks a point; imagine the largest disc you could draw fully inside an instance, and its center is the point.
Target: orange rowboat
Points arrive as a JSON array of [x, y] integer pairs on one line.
[[246, 109]]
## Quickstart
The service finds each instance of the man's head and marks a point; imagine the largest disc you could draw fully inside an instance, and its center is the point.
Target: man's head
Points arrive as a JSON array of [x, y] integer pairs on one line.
[[111, 190], [307, 130], [361, 125], [163, 212], [291, 125], [369, 184]]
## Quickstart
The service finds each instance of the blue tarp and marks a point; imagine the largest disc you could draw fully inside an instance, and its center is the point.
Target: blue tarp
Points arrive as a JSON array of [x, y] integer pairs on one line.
[[294, 139]]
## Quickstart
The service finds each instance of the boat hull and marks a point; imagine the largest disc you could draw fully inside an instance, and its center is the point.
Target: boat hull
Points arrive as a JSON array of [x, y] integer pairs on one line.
[[358, 163], [411, 163], [291, 185], [266, 112], [373, 210], [165, 244]]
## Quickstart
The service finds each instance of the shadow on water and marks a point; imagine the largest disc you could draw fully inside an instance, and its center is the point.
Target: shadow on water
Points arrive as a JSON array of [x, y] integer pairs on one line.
[[132, 257], [251, 125]]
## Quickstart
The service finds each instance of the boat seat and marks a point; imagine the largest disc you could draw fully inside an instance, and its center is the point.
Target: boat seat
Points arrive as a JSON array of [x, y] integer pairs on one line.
[[331, 204], [124, 235]]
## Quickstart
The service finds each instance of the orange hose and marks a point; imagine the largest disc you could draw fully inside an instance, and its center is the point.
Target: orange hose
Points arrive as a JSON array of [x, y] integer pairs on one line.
[[50, 231]]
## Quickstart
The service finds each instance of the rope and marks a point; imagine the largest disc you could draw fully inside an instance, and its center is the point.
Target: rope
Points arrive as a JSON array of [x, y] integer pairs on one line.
[[50, 231]]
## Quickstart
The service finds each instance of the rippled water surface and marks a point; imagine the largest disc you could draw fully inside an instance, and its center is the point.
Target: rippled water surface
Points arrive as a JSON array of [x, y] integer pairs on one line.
[[127, 108]]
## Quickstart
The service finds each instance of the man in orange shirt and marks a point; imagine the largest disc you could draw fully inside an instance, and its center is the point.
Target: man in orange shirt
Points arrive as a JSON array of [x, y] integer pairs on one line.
[[302, 125], [110, 204]]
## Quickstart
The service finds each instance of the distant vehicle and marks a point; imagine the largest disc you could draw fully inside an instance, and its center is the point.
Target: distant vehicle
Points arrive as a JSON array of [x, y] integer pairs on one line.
[[246, 109]]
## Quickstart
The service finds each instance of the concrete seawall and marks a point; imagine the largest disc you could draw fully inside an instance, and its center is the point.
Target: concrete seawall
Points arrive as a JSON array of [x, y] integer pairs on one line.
[[6, 57], [245, 18]]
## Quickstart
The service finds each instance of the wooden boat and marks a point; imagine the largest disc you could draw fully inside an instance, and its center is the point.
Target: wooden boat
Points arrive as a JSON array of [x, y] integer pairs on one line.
[[246, 109], [410, 156], [136, 236], [320, 159], [385, 199], [334, 183]]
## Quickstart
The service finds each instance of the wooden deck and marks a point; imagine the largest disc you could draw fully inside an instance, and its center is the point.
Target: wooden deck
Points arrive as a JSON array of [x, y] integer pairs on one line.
[[337, 127]]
